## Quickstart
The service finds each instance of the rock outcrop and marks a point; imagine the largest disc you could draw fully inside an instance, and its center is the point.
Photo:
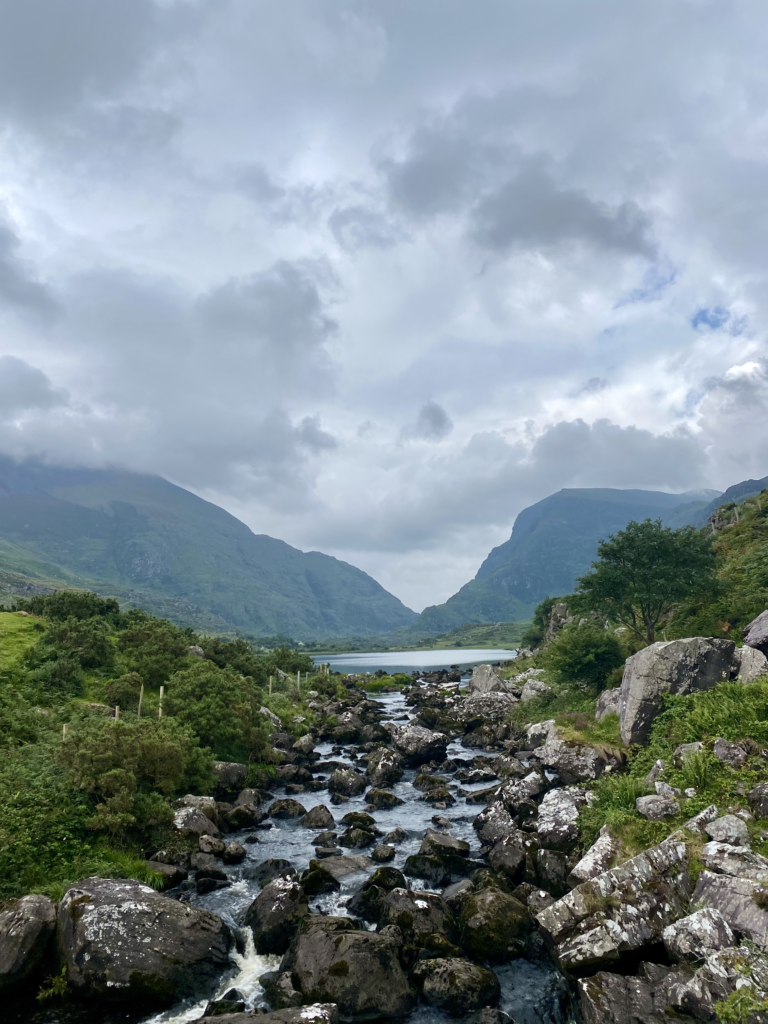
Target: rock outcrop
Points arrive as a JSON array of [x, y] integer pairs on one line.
[[26, 931], [275, 914], [419, 745], [756, 633]]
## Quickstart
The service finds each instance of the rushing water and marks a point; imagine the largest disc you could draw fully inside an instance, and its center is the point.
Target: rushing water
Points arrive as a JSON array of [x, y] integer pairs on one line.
[[532, 992], [407, 661]]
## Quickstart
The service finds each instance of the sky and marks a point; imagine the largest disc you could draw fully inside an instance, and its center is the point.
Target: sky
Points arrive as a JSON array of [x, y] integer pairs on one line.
[[375, 276]]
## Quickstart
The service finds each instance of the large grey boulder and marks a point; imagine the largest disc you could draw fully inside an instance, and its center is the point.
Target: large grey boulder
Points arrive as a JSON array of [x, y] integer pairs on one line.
[[494, 824], [534, 688], [417, 914], [346, 782], [515, 792], [621, 910], [121, 940], [484, 707], [656, 807], [735, 899], [485, 679], [558, 819], [737, 861], [330, 961], [26, 930], [456, 985], [608, 703], [318, 817], [493, 926], [230, 775], [674, 666], [728, 829], [749, 664], [573, 762], [756, 633], [385, 767], [275, 914], [597, 858], [419, 745], [191, 821], [696, 936]]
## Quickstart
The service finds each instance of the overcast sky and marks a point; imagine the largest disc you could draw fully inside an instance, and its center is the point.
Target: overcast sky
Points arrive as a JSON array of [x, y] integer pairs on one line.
[[374, 275]]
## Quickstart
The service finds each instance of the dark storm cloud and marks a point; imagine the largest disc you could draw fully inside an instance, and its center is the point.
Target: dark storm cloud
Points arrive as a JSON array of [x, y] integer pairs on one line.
[[432, 424], [24, 388], [18, 286]]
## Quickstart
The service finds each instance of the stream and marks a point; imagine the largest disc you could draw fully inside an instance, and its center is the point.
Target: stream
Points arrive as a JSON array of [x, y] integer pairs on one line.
[[533, 992]]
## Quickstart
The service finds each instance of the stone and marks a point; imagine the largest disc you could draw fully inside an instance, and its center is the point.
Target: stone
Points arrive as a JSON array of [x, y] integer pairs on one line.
[[275, 915], [439, 844], [674, 666], [515, 792], [728, 829], [346, 782], [551, 870], [396, 836], [230, 775], [317, 1013], [659, 767], [698, 821], [357, 839], [534, 688], [573, 762], [507, 858], [758, 800], [735, 899], [206, 804], [731, 753], [340, 867], [317, 817], [234, 853], [317, 879], [485, 679], [366, 901], [490, 1015], [382, 853], [655, 808], [738, 861], [243, 816], [286, 808], [190, 821], [621, 910], [481, 708], [121, 940], [493, 925], [268, 870], [304, 744], [211, 844], [750, 664], [557, 824], [381, 800], [172, 874], [271, 716], [26, 932], [494, 823], [664, 789], [597, 859], [756, 633], [416, 914], [385, 767], [540, 733], [196, 651], [607, 703], [358, 971], [685, 751], [419, 745], [696, 936], [456, 985]]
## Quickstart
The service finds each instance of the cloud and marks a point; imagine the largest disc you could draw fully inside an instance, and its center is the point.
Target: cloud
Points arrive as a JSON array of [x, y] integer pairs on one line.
[[432, 424], [18, 286], [25, 388]]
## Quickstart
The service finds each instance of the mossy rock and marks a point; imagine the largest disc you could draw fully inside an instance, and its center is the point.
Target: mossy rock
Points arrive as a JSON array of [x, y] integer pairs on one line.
[[493, 925]]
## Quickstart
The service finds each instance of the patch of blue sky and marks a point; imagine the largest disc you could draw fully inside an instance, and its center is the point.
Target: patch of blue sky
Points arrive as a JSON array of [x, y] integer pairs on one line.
[[655, 282]]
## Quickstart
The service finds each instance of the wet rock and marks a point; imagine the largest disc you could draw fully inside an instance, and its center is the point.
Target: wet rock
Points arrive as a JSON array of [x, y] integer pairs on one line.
[[731, 753], [432, 870], [211, 844], [206, 804], [317, 817], [326, 838], [122, 940], [380, 799], [607, 703], [305, 744], [26, 932], [279, 990], [231, 1002], [696, 936], [234, 853], [551, 869], [738, 861], [172, 874], [287, 808], [385, 767], [756, 633], [382, 853], [508, 858], [358, 971], [416, 914], [456, 985], [317, 879], [557, 824], [494, 824], [749, 664], [275, 915], [346, 782], [269, 870], [572, 761], [655, 808], [758, 800], [340, 867], [439, 844], [425, 782], [357, 839], [230, 776], [190, 821], [396, 836], [243, 816], [534, 688], [419, 745], [597, 858], [621, 910], [317, 1013], [366, 901], [359, 819], [728, 829], [493, 926], [675, 666], [515, 792], [532, 897]]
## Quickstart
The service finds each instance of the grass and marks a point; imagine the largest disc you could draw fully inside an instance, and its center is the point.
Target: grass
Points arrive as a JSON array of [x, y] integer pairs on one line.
[[17, 634]]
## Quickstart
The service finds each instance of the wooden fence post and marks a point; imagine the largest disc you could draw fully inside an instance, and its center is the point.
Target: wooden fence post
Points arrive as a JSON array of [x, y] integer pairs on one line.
[[141, 700], [160, 705]]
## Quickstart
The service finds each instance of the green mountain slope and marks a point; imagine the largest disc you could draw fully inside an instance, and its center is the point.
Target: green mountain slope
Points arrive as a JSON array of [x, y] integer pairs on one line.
[[151, 543], [553, 543]]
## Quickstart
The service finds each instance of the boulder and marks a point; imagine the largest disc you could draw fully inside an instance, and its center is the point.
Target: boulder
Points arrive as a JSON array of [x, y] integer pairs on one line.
[[243, 816], [419, 745], [608, 703], [728, 829], [317, 817], [268, 870], [485, 679], [234, 853], [733, 754], [304, 744], [597, 858], [696, 936], [481, 708], [230, 775], [493, 925], [385, 767], [416, 914], [758, 800], [494, 824], [121, 940], [271, 717], [275, 915], [211, 844], [698, 821], [357, 839], [317, 1013], [534, 688], [190, 821], [26, 931], [359, 971], [540, 733], [340, 867], [366, 901], [456, 985], [286, 808], [735, 899], [686, 751], [738, 861], [381, 800], [674, 666], [382, 853], [551, 870], [440, 844], [317, 879], [346, 782], [749, 664], [621, 910], [172, 874], [515, 792], [557, 824], [756, 633], [206, 804], [508, 858], [655, 808]]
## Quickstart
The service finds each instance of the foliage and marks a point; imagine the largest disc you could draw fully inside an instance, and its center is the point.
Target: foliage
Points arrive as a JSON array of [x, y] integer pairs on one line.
[[86, 641], [534, 635], [153, 647], [70, 604], [587, 653], [643, 571], [124, 692], [57, 678], [385, 684], [741, 1006]]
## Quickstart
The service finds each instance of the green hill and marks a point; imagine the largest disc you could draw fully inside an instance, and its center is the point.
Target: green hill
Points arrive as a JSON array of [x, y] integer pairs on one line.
[[553, 543], [150, 543]]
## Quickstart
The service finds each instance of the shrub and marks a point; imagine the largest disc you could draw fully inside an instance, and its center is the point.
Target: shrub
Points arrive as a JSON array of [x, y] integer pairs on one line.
[[586, 653], [61, 677], [124, 691], [84, 640], [153, 647], [71, 604]]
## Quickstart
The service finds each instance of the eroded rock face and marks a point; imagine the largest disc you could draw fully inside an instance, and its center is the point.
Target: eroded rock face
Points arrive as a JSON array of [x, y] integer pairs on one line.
[[597, 858], [26, 931], [608, 703], [735, 899], [419, 745], [621, 910], [275, 914], [485, 679], [358, 971], [456, 985], [572, 762], [676, 666], [534, 688], [737, 861], [698, 935], [756, 633], [728, 829], [121, 940], [655, 808]]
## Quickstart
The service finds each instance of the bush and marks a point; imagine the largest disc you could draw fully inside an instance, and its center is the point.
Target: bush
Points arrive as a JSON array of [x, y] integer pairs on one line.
[[124, 692], [71, 604], [153, 647], [534, 635], [61, 677], [84, 640], [586, 653]]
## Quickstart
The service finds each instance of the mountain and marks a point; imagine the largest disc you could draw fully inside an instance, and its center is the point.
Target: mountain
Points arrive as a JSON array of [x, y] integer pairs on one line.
[[553, 543], [150, 543], [734, 495]]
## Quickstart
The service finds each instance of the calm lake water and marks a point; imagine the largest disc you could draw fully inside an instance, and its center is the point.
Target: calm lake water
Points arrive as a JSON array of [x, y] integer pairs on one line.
[[407, 661]]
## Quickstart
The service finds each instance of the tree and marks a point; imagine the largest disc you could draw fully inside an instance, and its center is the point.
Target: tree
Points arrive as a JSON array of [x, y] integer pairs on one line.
[[645, 569], [586, 653]]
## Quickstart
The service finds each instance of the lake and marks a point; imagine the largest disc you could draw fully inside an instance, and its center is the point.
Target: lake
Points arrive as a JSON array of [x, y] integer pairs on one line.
[[407, 661]]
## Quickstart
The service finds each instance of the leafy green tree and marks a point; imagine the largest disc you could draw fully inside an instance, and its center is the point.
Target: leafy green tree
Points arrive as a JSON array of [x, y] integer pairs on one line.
[[153, 647], [84, 640], [586, 653], [643, 571], [71, 604]]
